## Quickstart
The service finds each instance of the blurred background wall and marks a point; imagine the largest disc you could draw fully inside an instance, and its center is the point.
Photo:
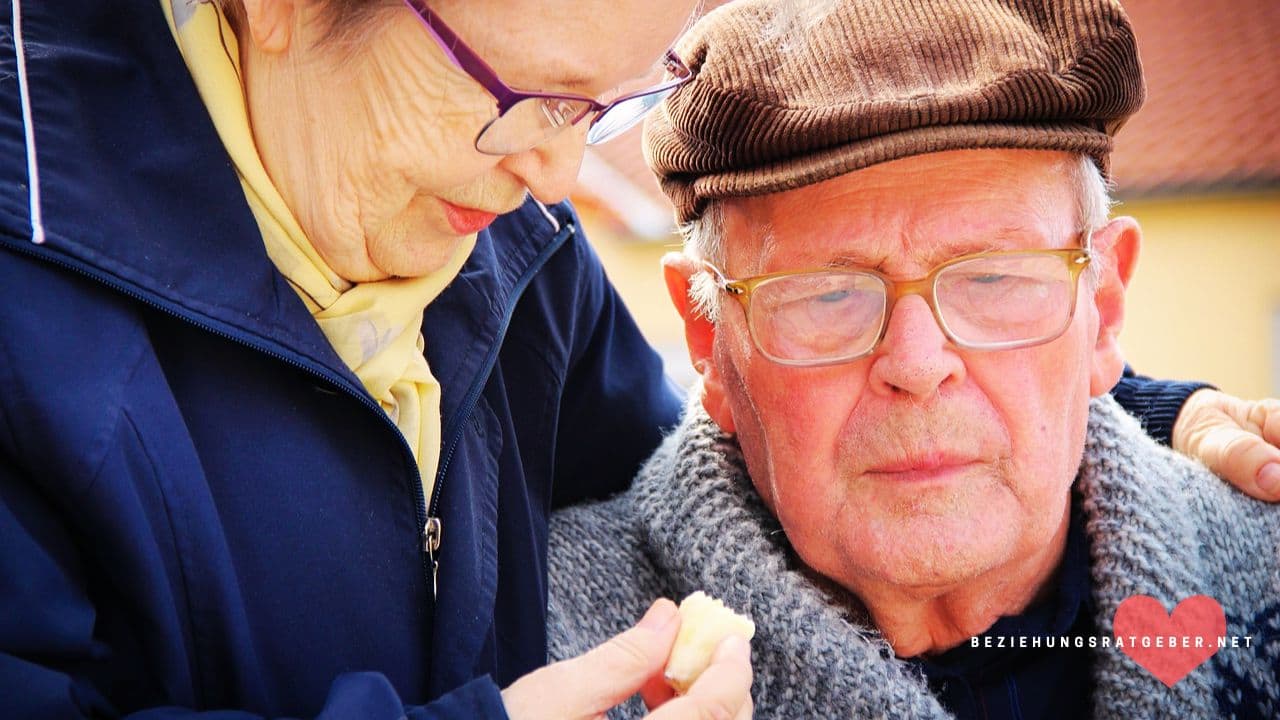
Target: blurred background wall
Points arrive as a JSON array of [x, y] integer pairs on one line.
[[1198, 166]]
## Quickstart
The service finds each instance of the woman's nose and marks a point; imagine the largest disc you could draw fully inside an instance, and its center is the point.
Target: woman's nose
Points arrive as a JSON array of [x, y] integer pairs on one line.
[[550, 170]]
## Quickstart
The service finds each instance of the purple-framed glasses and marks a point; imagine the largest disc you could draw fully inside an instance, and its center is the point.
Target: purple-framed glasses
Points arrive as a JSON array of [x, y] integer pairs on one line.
[[528, 119]]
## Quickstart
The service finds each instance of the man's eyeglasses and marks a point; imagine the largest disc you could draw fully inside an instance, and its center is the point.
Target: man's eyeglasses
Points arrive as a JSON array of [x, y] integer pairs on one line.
[[528, 119], [985, 301]]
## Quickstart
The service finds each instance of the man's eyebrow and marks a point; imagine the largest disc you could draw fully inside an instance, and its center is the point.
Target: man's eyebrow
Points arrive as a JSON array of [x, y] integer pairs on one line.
[[941, 252], [1009, 232], [846, 260], [969, 246]]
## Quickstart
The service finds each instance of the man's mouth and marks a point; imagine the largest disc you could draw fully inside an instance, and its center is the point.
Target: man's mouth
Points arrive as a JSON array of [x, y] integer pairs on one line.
[[930, 466]]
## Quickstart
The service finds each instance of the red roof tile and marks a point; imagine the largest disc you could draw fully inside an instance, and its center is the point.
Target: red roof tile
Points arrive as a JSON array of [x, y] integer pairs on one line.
[[1212, 116]]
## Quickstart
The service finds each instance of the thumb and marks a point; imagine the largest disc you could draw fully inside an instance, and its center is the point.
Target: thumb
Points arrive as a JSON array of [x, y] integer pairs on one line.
[[588, 685]]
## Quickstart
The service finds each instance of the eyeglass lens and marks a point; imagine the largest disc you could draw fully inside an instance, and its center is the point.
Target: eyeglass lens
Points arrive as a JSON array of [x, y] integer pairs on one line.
[[987, 302], [529, 123], [1000, 300], [533, 121], [622, 116]]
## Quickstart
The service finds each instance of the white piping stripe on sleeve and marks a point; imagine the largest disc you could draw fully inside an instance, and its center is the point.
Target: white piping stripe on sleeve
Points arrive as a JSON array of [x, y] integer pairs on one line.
[[33, 170]]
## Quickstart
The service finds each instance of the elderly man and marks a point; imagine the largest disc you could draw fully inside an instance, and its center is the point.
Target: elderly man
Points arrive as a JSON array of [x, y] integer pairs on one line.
[[901, 289]]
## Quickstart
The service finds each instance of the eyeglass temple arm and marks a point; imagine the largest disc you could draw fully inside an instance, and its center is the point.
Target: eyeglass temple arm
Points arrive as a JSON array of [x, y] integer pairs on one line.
[[725, 283], [464, 57], [734, 287]]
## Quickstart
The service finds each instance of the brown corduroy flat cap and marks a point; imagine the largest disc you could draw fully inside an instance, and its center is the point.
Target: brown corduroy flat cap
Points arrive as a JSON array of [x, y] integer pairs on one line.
[[782, 100]]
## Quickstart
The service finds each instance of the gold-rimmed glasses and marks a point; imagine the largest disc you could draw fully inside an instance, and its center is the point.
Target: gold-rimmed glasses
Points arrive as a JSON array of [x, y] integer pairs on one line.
[[996, 300]]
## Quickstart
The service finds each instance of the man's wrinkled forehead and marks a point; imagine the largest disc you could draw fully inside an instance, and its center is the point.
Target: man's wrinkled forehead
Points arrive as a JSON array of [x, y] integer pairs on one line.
[[932, 206]]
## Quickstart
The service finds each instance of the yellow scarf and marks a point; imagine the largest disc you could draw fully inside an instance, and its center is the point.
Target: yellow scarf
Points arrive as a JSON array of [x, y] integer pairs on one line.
[[375, 326]]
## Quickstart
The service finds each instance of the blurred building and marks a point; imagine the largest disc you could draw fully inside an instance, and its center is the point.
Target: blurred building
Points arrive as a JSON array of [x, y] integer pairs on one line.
[[1198, 166]]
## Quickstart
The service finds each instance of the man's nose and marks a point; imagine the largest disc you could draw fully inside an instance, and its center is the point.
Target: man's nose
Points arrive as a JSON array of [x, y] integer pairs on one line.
[[915, 358], [550, 169]]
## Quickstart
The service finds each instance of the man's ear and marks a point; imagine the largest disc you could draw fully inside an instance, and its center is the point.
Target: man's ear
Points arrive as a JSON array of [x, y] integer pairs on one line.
[[270, 23], [678, 270], [1116, 246]]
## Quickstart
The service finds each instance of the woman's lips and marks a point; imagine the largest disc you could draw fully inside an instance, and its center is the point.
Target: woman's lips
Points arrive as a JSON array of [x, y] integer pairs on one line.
[[466, 221]]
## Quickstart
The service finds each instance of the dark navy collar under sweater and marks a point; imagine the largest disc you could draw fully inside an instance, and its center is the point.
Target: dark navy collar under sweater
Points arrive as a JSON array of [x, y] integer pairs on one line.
[[1026, 683]]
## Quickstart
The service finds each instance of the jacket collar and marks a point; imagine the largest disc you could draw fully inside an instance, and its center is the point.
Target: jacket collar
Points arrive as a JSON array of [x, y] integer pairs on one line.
[[137, 191], [134, 185]]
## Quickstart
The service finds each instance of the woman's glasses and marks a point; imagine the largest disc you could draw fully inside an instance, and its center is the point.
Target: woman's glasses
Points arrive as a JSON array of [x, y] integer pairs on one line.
[[528, 119]]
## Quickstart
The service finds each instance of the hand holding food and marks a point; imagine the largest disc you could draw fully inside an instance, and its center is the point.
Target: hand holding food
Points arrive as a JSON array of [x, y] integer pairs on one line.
[[705, 622]]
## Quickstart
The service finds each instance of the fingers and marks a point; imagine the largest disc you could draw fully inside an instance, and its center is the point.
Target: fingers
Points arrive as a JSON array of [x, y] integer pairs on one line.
[[1244, 459], [1235, 438], [656, 691], [1269, 482], [722, 691], [590, 684], [1265, 416]]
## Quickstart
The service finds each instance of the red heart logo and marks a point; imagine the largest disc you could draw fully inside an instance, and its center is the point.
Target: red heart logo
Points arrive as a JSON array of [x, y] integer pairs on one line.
[[1168, 645]]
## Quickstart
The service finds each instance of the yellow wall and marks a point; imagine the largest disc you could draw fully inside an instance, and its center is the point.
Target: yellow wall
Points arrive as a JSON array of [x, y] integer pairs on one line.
[[1206, 294], [1202, 306]]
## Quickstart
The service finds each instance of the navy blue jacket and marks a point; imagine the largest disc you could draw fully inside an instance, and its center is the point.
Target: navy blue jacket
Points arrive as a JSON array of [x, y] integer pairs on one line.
[[200, 506]]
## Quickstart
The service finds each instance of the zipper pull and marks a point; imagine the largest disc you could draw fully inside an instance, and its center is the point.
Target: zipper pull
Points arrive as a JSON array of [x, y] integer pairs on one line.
[[431, 543]]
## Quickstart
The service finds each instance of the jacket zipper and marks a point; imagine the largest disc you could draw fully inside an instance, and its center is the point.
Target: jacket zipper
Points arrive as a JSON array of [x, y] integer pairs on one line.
[[432, 529]]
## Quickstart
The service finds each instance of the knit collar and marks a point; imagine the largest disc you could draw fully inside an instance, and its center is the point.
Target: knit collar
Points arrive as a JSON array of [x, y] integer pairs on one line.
[[1145, 510], [708, 529]]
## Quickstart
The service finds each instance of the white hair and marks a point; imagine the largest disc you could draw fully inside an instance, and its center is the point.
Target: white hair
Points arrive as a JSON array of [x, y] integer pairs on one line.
[[704, 235], [704, 240], [1093, 196], [793, 20]]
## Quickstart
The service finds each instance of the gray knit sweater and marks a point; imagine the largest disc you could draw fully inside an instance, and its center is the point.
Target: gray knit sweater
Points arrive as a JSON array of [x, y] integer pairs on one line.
[[1157, 525]]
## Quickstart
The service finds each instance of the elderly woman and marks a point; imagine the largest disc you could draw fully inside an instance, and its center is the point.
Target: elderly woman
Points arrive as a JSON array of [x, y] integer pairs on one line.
[[297, 353], [230, 477]]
